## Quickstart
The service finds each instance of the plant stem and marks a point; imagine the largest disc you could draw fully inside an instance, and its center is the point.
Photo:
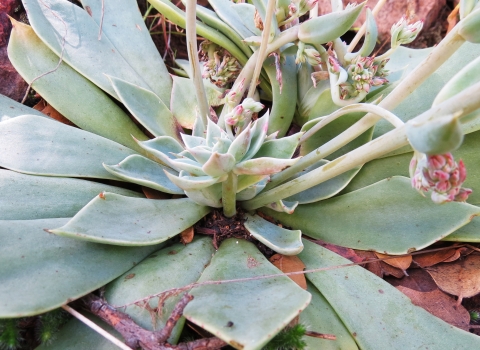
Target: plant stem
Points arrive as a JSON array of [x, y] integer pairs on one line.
[[263, 47], [363, 28], [437, 57], [191, 22], [465, 101], [229, 193]]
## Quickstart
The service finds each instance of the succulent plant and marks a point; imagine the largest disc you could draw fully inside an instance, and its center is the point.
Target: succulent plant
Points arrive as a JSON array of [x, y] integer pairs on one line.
[[73, 217]]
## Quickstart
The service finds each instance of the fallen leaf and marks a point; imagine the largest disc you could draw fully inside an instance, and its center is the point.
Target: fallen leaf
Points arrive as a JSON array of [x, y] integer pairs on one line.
[[186, 236], [400, 262], [417, 279], [441, 305], [373, 267], [455, 256], [434, 258], [461, 278], [389, 270], [47, 109], [290, 263], [150, 193]]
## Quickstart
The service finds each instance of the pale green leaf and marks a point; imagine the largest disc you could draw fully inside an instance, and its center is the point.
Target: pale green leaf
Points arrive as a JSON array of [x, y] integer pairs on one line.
[[172, 267], [67, 91], [324, 190], [10, 109], [468, 233], [113, 219], [28, 197], [210, 196], [41, 271], [58, 20], [320, 317], [388, 216], [123, 25], [283, 241], [253, 307], [376, 313], [143, 171], [282, 148], [193, 183], [147, 108], [36, 145]]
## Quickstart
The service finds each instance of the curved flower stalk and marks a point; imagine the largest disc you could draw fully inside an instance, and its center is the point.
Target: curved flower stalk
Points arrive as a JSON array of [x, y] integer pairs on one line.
[[50, 170]]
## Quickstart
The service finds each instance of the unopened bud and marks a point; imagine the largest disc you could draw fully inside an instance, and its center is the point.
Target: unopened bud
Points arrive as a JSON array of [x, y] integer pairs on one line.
[[404, 33]]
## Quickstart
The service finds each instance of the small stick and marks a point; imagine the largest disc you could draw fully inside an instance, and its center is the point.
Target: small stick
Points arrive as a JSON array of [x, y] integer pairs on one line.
[[320, 335], [96, 328]]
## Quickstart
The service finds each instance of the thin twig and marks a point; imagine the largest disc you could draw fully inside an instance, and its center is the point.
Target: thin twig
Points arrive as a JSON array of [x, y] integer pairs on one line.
[[96, 328], [320, 335], [176, 291], [61, 54]]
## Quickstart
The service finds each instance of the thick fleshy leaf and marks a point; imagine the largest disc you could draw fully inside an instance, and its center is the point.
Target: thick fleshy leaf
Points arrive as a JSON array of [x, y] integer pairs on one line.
[[210, 196], [28, 197], [75, 335], [283, 206], [367, 304], [373, 218], [192, 183], [184, 101], [224, 10], [123, 24], [282, 148], [201, 153], [324, 190], [252, 191], [143, 171], [371, 34], [113, 219], [190, 166], [67, 91], [147, 108], [240, 144], [219, 164], [10, 109], [283, 241], [44, 271], [468, 233], [245, 181], [252, 307], [36, 145], [246, 13], [162, 148], [58, 20], [262, 166], [172, 267], [259, 132], [323, 29], [320, 317], [214, 133]]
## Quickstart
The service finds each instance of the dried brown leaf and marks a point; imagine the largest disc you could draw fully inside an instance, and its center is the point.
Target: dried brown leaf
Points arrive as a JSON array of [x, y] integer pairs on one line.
[[186, 236], [290, 263], [441, 305], [401, 262], [455, 256], [150, 193], [461, 278], [389, 270], [434, 258], [47, 109], [452, 18], [373, 267], [417, 279], [347, 253]]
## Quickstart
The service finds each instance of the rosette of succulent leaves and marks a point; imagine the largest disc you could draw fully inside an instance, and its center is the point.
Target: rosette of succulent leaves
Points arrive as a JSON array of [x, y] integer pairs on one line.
[[219, 136]]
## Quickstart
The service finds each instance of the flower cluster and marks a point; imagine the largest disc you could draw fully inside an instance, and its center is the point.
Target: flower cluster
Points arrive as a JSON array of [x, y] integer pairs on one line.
[[442, 175], [403, 33], [220, 66], [242, 114], [360, 75]]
